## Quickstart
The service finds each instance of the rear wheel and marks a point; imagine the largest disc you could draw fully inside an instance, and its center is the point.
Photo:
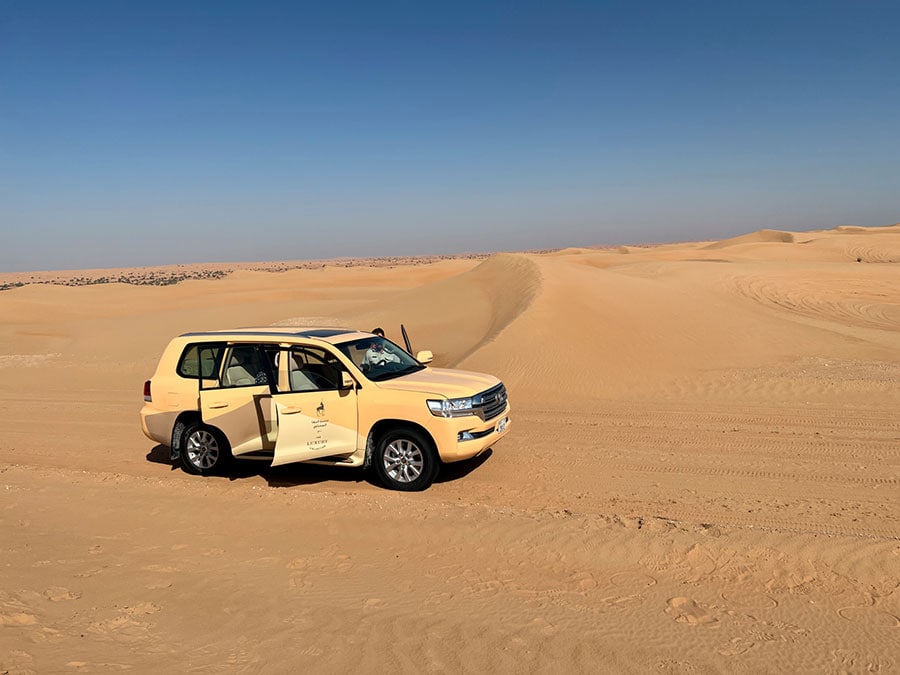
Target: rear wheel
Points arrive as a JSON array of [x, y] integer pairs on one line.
[[406, 460], [204, 451]]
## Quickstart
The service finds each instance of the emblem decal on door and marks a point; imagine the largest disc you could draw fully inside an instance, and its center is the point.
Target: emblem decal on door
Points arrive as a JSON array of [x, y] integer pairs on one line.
[[320, 429]]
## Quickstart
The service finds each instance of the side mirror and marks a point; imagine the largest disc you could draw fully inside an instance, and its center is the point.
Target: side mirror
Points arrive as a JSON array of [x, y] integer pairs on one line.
[[425, 356], [347, 382]]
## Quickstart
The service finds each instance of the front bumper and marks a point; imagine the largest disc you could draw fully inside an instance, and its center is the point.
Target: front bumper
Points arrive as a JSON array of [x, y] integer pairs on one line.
[[467, 437]]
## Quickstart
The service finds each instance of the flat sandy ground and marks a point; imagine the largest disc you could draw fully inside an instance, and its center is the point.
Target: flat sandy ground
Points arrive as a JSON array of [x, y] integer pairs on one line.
[[703, 474]]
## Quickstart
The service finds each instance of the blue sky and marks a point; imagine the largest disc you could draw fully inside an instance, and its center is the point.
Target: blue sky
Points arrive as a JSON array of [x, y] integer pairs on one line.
[[142, 133]]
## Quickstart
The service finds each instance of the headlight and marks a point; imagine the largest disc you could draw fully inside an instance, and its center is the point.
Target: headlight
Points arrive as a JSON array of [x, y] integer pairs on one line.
[[450, 407]]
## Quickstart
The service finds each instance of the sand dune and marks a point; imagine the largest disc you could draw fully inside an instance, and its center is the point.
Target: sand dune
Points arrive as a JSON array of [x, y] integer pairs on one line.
[[855, 229], [760, 236], [635, 330], [474, 307], [858, 247], [702, 477]]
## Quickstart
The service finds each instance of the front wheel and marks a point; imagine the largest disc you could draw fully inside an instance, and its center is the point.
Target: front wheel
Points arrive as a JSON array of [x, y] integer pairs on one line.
[[203, 450], [406, 460]]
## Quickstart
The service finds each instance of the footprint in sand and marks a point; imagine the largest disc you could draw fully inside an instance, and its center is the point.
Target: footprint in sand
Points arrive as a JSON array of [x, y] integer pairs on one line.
[[622, 600], [689, 611], [298, 564], [736, 647], [632, 580], [298, 581], [848, 660], [142, 609], [343, 563], [870, 616], [126, 626], [265, 560], [18, 619], [544, 626], [60, 594]]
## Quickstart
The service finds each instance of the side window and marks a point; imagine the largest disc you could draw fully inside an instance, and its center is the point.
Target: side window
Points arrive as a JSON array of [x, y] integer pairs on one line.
[[313, 369], [199, 361], [244, 366]]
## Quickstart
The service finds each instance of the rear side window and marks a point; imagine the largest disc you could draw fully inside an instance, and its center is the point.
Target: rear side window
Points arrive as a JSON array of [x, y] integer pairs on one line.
[[244, 366], [199, 361]]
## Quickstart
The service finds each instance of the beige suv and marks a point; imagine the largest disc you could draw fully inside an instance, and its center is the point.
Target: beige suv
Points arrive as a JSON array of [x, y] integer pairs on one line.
[[323, 396]]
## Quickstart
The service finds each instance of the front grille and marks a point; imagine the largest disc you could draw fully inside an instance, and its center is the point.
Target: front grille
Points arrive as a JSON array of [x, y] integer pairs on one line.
[[492, 402]]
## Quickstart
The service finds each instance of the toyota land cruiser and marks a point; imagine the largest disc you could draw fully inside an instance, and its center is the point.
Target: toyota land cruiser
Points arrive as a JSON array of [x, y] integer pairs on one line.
[[322, 395]]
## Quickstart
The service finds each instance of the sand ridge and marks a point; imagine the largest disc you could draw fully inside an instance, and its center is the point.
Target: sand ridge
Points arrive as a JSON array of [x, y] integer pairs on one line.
[[761, 236], [702, 474], [476, 306]]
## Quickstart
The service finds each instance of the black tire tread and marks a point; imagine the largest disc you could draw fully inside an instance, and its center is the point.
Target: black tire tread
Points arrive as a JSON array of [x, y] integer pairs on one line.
[[429, 472], [224, 450]]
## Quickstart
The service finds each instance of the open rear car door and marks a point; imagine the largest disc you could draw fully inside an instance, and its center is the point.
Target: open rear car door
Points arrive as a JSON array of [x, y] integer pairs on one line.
[[238, 400]]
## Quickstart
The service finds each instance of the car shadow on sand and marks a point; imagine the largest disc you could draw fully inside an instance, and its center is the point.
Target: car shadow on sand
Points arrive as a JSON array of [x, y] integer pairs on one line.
[[293, 475]]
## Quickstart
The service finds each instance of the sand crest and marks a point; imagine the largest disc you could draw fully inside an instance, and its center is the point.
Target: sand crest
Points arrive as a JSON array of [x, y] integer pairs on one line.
[[760, 236]]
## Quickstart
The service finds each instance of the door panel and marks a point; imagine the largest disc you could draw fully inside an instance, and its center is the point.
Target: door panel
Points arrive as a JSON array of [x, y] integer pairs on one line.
[[315, 424], [244, 414]]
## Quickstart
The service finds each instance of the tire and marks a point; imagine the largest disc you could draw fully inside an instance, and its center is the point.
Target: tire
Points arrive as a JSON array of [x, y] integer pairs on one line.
[[204, 451], [406, 460]]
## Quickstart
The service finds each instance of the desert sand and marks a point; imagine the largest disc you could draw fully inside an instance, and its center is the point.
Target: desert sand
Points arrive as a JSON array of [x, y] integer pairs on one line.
[[702, 474]]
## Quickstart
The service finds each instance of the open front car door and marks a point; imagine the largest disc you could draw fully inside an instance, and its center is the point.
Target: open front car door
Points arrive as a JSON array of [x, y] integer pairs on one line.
[[316, 414]]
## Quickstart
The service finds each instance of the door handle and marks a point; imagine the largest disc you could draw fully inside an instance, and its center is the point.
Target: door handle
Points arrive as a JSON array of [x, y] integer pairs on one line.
[[290, 410], [218, 404]]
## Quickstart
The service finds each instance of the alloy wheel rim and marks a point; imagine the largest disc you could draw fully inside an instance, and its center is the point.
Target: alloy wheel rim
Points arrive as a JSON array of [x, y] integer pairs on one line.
[[202, 449], [403, 461]]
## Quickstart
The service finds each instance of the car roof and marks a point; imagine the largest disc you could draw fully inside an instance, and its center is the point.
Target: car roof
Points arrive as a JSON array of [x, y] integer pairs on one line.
[[332, 335]]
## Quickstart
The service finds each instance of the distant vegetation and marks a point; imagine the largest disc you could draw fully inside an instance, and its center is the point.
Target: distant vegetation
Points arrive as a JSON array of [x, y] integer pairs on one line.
[[148, 278], [137, 278], [167, 276]]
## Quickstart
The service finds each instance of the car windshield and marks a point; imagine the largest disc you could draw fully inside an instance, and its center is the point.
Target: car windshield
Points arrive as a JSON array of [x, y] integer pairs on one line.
[[379, 359]]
